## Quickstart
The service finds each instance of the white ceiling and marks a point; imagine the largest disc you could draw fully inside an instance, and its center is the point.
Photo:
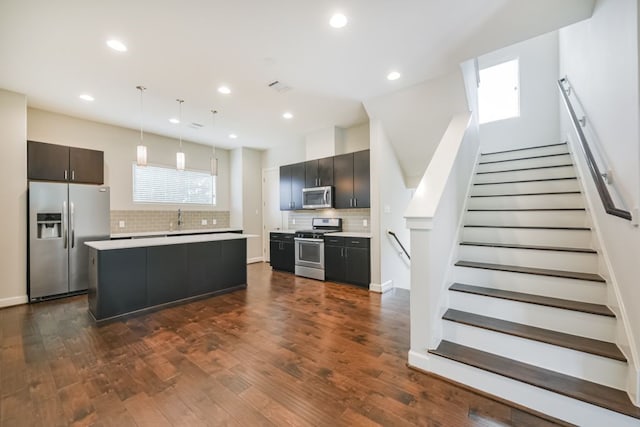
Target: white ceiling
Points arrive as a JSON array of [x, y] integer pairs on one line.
[[53, 51]]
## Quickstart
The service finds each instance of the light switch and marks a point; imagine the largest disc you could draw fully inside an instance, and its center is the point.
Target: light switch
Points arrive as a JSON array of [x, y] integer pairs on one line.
[[121, 224], [365, 222], [203, 222], [293, 221], [214, 221]]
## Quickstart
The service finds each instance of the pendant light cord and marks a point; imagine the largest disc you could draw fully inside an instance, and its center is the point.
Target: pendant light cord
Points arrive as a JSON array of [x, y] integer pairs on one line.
[[141, 89], [180, 101], [213, 125]]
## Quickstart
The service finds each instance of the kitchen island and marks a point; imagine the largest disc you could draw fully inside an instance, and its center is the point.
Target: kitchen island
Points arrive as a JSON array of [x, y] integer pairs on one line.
[[139, 275]]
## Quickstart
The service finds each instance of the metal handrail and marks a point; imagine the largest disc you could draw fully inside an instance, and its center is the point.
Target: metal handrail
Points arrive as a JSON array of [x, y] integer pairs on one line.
[[391, 233], [605, 196]]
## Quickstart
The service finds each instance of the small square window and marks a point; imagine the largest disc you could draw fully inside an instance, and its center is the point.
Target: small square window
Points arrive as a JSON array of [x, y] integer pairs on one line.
[[498, 93]]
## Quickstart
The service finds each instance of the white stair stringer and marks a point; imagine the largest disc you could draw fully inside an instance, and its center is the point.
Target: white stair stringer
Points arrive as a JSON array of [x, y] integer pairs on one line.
[[553, 404], [573, 289], [588, 325], [590, 367]]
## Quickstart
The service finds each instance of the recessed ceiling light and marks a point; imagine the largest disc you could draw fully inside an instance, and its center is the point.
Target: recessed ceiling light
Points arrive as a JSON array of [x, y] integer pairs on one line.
[[224, 90], [233, 136], [287, 115], [394, 75], [116, 45], [86, 97], [174, 120], [338, 20]]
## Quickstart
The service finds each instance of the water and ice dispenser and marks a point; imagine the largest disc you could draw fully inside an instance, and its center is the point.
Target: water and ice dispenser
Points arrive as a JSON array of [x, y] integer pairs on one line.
[[49, 225]]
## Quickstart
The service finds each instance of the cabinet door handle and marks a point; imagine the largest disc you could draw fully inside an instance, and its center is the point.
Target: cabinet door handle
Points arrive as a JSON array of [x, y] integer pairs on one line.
[[73, 175], [342, 252], [65, 174], [355, 202], [346, 253], [350, 203]]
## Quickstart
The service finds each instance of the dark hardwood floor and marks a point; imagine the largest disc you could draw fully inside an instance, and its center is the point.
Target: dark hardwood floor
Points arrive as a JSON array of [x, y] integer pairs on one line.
[[287, 351]]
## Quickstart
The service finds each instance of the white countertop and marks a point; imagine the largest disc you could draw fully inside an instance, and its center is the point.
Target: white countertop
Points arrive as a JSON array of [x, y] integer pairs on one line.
[[173, 233], [350, 234], [105, 245], [283, 231]]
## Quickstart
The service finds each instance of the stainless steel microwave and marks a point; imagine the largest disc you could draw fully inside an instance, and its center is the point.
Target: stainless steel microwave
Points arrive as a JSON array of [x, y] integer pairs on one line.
[[317, 197]]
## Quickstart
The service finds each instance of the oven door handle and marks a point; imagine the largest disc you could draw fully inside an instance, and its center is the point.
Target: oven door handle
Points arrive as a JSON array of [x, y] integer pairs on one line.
[[304, 239]]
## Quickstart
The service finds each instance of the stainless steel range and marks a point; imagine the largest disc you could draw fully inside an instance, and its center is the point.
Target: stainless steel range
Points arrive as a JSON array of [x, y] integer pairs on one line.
[[309, 247]]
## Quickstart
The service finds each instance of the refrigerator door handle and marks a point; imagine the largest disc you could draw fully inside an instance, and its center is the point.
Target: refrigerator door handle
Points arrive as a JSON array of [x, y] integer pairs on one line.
[[64, 224], [73, 225]]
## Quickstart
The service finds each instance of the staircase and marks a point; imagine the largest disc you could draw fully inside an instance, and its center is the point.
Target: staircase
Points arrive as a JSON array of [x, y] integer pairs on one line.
[[527, 302]]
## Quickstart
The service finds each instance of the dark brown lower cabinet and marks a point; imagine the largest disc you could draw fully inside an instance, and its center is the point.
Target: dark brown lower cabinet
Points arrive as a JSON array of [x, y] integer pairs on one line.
[[347, 260], [282, 252]]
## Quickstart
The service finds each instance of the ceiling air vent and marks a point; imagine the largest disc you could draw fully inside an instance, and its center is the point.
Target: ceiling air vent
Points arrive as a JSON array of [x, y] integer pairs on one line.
[[195, 125], [279, 87]]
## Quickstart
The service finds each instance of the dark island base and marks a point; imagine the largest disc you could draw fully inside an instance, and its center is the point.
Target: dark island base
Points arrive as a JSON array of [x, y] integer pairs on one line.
[[141, 279], [163, 306]]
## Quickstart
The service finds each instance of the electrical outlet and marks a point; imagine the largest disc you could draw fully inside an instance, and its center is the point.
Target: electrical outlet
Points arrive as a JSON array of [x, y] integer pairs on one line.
[[293, 221], [365, 222], [203, 222], [121, 224], [214, 221]]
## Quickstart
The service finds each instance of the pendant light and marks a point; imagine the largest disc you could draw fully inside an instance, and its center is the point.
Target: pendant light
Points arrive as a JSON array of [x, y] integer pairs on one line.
[[180, 160], [141, 149], [214, 159]]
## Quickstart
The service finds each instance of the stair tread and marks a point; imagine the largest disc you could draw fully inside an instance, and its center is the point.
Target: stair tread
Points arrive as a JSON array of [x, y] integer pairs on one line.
[[548, 193], [532, 227], [527, 180], [584, 307], [560, 339], [530, 270], [542, 156], [527, 169], [524, 148], [526, 209], [532, 247], [576, 388]]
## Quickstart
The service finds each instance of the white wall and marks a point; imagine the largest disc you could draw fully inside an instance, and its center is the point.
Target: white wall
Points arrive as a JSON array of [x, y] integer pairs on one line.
[[236, 186], [252, 201], [119, 146], [322, 143], [538, 123], [415, 119], [600, 58], [283, 155], [355, 138], [13, 193], [392, 200]]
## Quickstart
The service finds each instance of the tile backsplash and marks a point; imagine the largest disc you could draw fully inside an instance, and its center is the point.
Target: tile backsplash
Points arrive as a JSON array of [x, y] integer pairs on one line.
[[352, 219], [136, 221]]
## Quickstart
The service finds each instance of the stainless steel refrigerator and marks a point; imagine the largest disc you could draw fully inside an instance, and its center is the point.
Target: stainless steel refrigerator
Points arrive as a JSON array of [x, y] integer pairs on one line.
[[61, 218]]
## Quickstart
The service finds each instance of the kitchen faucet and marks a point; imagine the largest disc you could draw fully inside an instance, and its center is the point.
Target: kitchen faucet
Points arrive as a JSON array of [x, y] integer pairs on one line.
[[180, 218]]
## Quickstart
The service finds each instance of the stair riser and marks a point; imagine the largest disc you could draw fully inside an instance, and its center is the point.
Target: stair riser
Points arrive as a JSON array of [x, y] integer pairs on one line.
[[524, 236], [553, 260], [569, 362], [527, 163], [560, 172], [571, 322], [526, 187], [545, 201], [556, 405], [572, 289], [530, 152], [529, 218]]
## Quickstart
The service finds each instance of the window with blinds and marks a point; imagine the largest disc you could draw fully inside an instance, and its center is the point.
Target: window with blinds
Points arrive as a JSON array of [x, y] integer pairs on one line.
[[158, 184]]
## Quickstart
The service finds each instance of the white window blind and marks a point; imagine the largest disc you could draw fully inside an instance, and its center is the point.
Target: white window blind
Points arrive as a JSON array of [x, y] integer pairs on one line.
[[158, 184], [498, 93]]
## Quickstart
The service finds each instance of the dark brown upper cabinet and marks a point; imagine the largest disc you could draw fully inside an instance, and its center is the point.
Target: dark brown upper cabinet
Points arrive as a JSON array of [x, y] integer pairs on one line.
[[291, 185], [351, 175], [318, 173], [51, 162]]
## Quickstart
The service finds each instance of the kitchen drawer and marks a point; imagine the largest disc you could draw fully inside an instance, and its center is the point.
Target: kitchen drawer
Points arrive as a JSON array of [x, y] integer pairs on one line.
[[356, 242], [282, 237], [334, 240]]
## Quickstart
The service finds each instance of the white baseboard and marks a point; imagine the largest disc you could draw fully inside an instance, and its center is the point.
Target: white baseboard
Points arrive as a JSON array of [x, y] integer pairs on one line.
[[8, 302], [381, 288], [254, 260]]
